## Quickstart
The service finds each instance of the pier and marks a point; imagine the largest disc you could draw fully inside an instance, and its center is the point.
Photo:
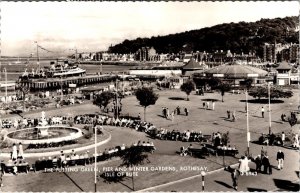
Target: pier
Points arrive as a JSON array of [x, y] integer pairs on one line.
[[57, 83]]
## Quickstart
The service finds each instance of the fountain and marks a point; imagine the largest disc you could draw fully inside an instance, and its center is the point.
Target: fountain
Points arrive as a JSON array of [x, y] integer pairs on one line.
[[42, 130], [44, 133]]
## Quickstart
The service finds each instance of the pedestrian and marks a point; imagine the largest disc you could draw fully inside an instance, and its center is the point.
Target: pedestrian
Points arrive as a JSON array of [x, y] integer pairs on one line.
[[235, 176], [213, 105], [263, 152], [282, 138], [203, 104], [258, 163], [178, 110], [186, 112], [262, 112], [233, 116], [244, 165], [207, 105], [14, 155], [228, 114], [164, 112], [296, 141], [20, 154], [266, 164], [168, 113], [280, 158]]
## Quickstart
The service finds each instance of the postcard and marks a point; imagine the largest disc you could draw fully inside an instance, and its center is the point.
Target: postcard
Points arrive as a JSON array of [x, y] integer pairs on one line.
[[149, 96]]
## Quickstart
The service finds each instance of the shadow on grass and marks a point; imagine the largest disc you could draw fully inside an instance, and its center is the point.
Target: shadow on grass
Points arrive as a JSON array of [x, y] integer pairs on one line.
[[73, 182], [114, 177], [161, 116], [210, 100], [263, 101], [223, 184], [226, 119], [177, 98], [280, 122], [286, 185], [256, 190]]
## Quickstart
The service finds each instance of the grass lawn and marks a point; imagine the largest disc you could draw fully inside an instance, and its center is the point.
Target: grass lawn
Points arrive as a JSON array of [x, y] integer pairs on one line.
[[199, 119]]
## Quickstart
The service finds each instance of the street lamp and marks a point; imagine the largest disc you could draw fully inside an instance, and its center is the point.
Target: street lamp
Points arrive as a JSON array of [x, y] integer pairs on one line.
[[269, 95], [5, 71], [202, 175], [96, 132]]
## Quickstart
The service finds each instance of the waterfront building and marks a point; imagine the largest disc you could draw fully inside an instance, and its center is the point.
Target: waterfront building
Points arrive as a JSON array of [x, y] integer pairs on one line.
[[236, 74], [284, 74]]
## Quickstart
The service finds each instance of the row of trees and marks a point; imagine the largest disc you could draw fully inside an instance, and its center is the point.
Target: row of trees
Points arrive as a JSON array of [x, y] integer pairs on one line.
[[146, 96]]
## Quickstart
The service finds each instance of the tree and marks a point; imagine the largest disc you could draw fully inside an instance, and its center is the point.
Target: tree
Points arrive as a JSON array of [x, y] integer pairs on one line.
[[248, 83], [187, 87], [275, 92], [147, 97], [134, 156], [24, 90], [223, 87], [103, 99]]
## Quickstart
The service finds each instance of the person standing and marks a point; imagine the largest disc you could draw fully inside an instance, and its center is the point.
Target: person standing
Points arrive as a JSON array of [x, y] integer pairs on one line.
[[282, 137], [280, 158], [207, 105], [228, 114], [296, 141], [267, 165], [233, 116], [186, 112], [14, 155], [213, 105], [258, 163], [262, 112], [20, 156], [234, 176]]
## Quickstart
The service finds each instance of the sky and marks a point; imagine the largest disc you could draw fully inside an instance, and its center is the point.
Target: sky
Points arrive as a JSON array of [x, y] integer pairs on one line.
[[94, 26]]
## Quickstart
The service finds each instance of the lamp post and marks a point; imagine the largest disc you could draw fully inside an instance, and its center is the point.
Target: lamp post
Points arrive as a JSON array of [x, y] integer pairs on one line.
[[269, 95], [202, 176], [95, 130], [5, 71]]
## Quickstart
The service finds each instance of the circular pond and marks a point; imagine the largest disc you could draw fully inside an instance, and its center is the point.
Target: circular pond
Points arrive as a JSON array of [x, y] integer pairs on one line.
[[45, 134]]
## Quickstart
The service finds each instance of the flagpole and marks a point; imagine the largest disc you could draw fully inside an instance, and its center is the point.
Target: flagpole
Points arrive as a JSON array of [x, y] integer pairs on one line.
[[248, 133]]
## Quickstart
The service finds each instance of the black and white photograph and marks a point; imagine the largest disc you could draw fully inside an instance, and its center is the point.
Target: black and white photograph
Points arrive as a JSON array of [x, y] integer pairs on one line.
[[195, 96]]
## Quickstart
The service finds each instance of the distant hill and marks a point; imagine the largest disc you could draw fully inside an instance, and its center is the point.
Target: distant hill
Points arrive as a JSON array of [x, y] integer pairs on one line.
[[237, 37]]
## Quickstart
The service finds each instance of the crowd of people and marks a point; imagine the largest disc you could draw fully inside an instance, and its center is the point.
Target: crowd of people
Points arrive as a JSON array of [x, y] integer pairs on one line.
[[51, 144], [16, 165], [167, 114], [33, 122], [176, 135]]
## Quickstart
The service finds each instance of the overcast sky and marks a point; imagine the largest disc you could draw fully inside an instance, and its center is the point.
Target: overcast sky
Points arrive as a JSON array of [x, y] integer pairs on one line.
[[93, 26]]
